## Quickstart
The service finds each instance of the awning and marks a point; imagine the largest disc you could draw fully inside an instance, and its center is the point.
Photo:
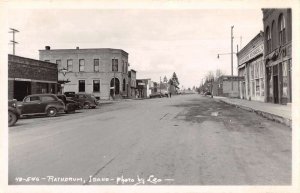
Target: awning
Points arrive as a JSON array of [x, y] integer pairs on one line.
[[63, 81]]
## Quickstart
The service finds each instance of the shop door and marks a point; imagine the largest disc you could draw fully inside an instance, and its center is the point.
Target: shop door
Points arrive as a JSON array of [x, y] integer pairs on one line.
[[21, 89], [275, 89]]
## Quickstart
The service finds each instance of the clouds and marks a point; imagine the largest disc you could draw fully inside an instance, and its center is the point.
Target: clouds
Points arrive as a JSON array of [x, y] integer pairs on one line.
[[159, 42]]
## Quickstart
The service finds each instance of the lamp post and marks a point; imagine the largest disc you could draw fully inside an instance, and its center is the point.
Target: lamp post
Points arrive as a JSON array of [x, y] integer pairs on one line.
[[232, 57], [231, 53]]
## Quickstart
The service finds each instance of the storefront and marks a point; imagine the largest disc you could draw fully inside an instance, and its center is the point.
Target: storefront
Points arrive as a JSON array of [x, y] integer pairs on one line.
[[251, 67], [28, 76], [279, 77]]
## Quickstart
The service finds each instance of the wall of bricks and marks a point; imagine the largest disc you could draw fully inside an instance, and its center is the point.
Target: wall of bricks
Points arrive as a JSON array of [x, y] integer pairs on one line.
[[10, 89], [19, 67]]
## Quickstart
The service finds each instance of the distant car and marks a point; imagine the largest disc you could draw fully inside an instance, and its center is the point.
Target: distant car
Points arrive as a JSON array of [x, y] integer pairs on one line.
[[207, 93], [69, 94], [37, 104], [70, 105], [13, 112], [156, 95], [86, 100]]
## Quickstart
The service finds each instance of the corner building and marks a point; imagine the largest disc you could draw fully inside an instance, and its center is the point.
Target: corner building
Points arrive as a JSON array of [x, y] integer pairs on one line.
[[278, 55], [102, 72]]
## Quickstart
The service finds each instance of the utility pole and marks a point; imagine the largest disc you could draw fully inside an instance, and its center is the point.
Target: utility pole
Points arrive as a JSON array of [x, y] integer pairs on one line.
[[160, 84], [237, 61], [232, 58], [13, 31]]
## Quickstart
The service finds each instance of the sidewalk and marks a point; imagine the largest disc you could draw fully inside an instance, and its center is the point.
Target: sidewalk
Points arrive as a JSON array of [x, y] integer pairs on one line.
[[275, 112]]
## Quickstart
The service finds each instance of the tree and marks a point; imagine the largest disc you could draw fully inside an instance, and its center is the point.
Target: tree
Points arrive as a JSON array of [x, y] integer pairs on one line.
[[218, 74], [175, 80], [165, 79], [209, 77]]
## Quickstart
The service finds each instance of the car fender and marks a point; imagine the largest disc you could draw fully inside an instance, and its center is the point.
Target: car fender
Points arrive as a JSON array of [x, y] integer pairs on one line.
[[13, 110], [50, 106]]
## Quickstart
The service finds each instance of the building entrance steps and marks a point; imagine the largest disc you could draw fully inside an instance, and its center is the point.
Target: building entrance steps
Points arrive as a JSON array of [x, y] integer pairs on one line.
[[275, 112]]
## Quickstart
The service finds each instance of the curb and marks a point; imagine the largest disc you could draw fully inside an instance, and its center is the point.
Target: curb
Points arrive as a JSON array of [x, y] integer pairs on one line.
[[270, 116]]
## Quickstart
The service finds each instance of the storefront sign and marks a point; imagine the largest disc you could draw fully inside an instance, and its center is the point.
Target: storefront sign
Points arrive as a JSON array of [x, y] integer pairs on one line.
[[257, 51], [142, 84]]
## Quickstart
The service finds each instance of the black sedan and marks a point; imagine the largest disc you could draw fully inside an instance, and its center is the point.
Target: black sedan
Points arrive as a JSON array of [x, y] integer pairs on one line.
[[70, 105]]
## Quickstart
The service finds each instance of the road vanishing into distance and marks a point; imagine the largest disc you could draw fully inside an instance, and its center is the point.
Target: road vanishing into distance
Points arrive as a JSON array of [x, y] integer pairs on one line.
[[183, 140]]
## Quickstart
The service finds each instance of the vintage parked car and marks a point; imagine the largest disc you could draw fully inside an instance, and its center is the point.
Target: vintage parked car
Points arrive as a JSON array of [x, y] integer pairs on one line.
[[69, 94], [70, 105], [86, 100], [156, 95], [37, 104], [13, 112], [207, 93]]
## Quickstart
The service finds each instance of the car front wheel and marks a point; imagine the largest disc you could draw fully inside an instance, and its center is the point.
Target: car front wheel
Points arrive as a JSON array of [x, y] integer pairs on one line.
[[51, 112], [87, 105], [12, 118]]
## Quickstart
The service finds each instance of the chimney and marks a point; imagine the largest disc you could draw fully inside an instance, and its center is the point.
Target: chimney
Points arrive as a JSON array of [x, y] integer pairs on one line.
[[47, 47]]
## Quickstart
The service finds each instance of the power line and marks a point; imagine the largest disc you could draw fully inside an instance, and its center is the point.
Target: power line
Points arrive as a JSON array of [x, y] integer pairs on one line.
[[13, 31]]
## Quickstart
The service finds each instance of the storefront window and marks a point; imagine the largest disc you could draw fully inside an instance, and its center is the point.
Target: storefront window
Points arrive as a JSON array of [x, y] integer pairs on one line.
[[253, 88], [252, 70], [257, 87], [261, 69], [284, 79], [270, 82], [262, 87], [256, 69]]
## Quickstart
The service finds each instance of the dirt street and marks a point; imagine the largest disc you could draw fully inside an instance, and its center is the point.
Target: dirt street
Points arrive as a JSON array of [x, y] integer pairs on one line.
[[183, 140]]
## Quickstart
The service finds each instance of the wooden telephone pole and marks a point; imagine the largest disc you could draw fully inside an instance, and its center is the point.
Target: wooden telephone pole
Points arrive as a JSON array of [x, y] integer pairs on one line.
[[13, 31]]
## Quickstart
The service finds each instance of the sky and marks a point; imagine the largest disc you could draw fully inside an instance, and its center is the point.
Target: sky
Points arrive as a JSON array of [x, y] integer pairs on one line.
[[159, 41]]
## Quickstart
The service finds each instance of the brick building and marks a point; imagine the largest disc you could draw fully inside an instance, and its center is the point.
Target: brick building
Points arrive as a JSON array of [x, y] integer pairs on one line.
[[101, 71], [278, 54], [251, 66], [28, 76]]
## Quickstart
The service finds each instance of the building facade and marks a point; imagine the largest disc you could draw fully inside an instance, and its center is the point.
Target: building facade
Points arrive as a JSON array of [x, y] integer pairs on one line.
[[143, 87], [132, 88], [251, 66], [278, 54], [227, 86], [28, 76], [102, 72]]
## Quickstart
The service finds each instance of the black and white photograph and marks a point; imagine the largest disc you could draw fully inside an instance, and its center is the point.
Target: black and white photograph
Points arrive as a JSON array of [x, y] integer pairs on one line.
[[150, 96]]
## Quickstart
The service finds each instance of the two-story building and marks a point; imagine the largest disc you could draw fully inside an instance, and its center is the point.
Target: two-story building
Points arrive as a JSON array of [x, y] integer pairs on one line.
[[102, 72], [278, 54]]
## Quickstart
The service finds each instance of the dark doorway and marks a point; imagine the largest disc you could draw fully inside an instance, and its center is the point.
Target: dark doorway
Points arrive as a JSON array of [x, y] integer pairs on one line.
[[117, 89], [21, 89], [275, 89]]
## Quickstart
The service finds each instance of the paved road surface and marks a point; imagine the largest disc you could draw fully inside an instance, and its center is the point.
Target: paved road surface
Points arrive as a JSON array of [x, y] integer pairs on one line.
[[183, 140]]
